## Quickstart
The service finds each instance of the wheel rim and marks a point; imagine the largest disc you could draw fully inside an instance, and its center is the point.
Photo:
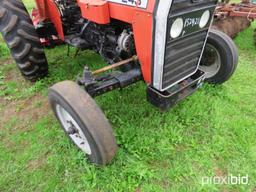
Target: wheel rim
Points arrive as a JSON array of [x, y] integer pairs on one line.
[[73, 129], [211, 64]]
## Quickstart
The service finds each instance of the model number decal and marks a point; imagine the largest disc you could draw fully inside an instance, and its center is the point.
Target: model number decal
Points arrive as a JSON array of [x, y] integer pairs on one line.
[[191, 22], [135, 3]]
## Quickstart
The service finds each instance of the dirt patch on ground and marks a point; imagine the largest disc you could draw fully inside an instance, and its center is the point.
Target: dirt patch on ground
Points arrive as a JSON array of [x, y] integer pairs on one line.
[[219, 172], [6, 61], [24, 111], [13, 75], [19, 116], [3, 101], [37, 163]]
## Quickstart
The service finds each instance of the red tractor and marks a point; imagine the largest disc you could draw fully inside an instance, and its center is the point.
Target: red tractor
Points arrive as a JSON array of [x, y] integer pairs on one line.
[[168, 44]]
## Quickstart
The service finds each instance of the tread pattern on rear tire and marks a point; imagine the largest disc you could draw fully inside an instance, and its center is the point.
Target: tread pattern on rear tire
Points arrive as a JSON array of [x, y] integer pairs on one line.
[[22, 40]]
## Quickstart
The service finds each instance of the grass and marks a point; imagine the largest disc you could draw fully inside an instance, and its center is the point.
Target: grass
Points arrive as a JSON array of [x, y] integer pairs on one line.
[[211, 133]]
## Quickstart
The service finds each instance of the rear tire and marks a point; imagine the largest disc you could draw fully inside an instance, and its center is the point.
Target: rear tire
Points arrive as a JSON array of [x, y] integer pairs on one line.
[[220, 57], [83, 121], [21, 38]]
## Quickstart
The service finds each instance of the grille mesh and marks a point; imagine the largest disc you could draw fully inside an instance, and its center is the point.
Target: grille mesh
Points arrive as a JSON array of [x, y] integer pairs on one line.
[[182, 55]]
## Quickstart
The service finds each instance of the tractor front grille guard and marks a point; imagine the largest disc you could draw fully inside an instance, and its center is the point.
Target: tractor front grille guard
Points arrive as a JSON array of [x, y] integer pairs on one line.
[[177, 58]]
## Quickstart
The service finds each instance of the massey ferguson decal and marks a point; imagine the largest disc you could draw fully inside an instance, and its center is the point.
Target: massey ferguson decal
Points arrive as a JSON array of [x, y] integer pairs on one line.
[[135, 3]]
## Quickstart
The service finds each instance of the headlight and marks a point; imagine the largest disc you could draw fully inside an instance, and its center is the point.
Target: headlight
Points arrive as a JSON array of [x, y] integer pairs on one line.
[[204, 19], [177, 28]]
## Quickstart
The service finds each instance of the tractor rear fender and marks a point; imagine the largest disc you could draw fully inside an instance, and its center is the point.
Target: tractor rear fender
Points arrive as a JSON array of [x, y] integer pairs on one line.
[[48, 10], [42, 9]]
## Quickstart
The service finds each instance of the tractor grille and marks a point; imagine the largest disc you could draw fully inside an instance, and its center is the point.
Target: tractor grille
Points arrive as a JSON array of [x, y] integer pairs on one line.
[[182, 54], [182, 58]]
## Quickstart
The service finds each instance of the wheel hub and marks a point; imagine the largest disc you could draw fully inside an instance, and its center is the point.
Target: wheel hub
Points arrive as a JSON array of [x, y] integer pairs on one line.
[[73, 129], [211, 62]]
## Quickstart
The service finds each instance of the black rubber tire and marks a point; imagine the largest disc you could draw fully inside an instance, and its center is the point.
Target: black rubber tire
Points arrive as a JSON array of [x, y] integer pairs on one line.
[[88, 116], [21, 38], [228, 55]]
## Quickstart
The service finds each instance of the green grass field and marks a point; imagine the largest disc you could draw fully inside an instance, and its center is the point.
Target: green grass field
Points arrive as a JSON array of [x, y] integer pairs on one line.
[[212, 133]]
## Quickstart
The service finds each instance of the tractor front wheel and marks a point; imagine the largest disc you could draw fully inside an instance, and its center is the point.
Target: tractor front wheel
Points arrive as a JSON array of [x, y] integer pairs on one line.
[[83, 121], [220, 57], [21, 38]]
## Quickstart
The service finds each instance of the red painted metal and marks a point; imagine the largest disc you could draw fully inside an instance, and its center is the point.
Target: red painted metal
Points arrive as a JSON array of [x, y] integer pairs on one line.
[[42, 9], [95, 10], [142, 24], [140, 19], [49, 11], [44, 41], [35, 16], [55, 17]]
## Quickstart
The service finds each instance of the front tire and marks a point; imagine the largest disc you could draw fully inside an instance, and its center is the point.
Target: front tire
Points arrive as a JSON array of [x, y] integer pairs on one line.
[[83, 121], [220, 57], [21, 38]]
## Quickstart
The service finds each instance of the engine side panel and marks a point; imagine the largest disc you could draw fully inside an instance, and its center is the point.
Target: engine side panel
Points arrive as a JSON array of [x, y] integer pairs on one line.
[[96, 11], [142, 24]]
